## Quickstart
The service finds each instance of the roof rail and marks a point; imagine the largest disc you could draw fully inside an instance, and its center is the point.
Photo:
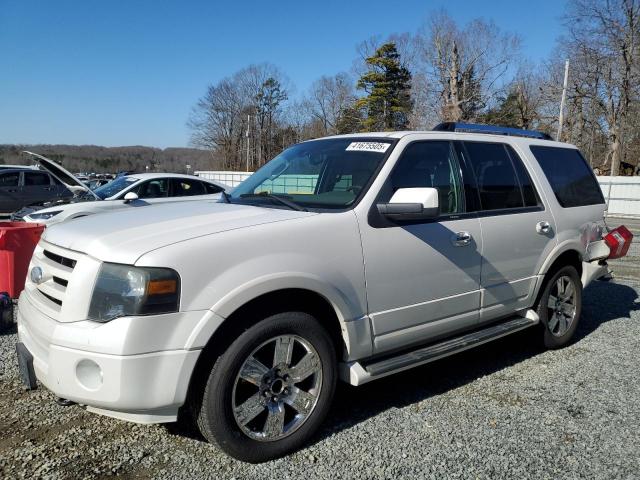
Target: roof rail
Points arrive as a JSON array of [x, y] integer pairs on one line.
[[489, 130]]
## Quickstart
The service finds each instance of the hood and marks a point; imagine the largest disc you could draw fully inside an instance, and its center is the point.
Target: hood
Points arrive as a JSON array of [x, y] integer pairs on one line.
[[62, 174], [124, 236]]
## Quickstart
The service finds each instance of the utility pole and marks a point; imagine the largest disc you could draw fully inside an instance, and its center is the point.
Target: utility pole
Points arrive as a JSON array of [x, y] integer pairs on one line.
[[248, 139], [564, 96]]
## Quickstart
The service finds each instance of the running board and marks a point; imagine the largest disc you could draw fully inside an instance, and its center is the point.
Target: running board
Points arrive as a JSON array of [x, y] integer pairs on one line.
[[357, 373]]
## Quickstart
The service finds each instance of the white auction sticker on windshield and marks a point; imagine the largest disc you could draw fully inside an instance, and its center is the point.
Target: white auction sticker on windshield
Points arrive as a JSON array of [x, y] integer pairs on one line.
[[379, 147]]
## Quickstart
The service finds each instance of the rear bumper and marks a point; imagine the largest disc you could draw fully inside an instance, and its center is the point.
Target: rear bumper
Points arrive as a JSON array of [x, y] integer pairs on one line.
[[145, 388], [593, 270]]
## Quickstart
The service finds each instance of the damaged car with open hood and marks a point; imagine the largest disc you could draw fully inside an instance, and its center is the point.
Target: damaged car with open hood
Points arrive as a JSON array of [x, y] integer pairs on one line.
[[128, 191]]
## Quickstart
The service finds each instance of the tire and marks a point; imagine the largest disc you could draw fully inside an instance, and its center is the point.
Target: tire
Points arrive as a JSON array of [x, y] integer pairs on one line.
[[559, 311], [261, 411], [6, 313]]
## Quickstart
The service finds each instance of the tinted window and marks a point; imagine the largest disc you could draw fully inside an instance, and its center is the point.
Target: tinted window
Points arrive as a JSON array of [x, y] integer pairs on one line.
[[9, 180], [184, 187], [158, 188], [529, 194], [571, 178], [430, 164], [35, 178], [211, 188], [498, 185]]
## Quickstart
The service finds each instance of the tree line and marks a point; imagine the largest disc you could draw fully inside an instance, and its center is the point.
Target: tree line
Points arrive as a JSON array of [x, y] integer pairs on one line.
[[446, 72]]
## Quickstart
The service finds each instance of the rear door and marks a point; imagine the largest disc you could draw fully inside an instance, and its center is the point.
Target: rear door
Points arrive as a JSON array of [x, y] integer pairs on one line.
[[518, 231], [38, 187], [10, 191]]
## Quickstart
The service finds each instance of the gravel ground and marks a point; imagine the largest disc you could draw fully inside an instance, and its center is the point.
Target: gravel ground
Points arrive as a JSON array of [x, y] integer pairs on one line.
[[505, 410]]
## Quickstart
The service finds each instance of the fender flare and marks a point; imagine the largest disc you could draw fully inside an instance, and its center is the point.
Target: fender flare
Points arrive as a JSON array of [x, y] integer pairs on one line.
[[275, 282]]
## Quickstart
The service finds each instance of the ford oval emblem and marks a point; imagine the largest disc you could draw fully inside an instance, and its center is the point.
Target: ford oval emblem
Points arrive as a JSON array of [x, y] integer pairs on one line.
[[37, 275]]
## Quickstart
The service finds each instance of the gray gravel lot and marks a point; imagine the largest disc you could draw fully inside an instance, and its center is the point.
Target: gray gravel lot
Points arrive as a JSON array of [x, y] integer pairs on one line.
[[505, 410]]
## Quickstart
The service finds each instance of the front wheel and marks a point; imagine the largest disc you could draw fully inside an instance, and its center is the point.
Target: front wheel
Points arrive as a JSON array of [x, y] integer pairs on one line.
[[271, 389], [559, 307]]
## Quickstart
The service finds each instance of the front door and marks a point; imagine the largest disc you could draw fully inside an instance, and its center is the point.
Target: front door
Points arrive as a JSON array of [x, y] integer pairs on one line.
[[423, 277], [10, 191]]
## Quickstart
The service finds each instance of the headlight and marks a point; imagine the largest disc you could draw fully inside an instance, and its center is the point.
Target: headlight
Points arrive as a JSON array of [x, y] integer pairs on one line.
[[43, 215], [122, 290]]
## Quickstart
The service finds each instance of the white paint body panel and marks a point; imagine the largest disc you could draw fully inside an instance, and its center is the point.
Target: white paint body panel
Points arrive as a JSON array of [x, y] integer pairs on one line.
[[391, 288]]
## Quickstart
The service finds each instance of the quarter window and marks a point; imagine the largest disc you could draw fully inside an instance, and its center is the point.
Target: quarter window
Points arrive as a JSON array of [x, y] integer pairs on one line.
[[211, 188], [430, 164], [498, 184], [571, 179]]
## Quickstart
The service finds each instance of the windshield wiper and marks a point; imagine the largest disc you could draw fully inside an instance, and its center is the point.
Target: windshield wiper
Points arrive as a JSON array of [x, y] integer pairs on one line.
[[283, 201]]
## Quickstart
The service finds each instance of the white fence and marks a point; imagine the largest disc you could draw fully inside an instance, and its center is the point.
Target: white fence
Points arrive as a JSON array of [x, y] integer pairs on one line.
[[622, 195], [233, 179]]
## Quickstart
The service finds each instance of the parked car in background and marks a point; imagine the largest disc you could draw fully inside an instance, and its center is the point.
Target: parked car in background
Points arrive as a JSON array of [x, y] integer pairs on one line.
[[129, 191], [351, 257], [24, 186]]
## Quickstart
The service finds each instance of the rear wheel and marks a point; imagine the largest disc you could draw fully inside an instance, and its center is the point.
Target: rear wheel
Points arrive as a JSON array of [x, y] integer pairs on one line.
[[560, 306], [271, 389]]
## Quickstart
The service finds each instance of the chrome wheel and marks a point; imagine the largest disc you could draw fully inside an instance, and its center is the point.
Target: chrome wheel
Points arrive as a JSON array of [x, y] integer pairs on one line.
[[562, 306], [277, 388]]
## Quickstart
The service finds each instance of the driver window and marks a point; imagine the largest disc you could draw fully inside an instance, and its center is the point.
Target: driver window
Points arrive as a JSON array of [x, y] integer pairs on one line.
[[430, 164], [157, 188]]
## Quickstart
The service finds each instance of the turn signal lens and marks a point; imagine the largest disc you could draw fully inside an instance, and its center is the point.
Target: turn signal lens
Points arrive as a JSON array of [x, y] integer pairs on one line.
[[162, 287]]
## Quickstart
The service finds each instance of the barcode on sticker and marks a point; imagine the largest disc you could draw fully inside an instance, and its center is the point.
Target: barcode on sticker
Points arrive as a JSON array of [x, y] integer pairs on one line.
[[379, 147]]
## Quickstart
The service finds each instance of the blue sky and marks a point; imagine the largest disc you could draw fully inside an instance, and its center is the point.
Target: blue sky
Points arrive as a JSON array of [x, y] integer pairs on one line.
[[128, 72]]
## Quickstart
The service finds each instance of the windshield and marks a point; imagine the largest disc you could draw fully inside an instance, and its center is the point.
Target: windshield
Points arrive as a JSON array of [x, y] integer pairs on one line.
[[328, 174], [114, 187]]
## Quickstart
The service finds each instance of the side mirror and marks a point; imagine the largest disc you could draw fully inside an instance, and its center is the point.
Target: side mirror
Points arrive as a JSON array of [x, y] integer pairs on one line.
[[411, 204], [129, 197]]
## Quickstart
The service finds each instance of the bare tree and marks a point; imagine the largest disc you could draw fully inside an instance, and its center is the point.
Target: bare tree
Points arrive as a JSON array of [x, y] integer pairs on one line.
[[604, 40], [327, 98], [239, 116], [467, 67]]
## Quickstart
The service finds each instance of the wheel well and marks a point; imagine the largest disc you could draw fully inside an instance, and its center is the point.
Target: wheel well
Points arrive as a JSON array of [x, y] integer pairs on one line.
[[288, 300], [570, 257]]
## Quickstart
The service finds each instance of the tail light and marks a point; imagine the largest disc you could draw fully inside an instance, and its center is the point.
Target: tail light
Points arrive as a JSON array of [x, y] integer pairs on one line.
[[619, 241]]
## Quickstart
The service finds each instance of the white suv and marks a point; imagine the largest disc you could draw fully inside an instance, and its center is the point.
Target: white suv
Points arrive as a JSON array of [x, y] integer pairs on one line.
[[350, 257]]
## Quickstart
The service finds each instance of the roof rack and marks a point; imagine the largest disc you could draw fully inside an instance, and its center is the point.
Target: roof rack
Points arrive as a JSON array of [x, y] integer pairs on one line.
[[489, 130]]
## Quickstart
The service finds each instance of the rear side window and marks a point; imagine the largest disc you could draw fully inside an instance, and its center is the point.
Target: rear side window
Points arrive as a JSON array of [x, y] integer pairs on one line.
[[35, 178], [498, 184], [529, 194], [183, 187], [571, 179]]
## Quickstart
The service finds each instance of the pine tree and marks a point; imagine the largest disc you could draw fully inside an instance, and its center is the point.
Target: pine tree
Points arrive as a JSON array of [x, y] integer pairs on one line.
[[388, 85]]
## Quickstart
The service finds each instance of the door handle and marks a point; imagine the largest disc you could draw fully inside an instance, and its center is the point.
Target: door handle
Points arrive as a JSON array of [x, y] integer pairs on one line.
[[543, 227], [461, 239]]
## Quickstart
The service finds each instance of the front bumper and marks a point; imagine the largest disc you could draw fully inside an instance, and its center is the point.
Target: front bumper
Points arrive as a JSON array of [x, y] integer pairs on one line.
[[70, 360]]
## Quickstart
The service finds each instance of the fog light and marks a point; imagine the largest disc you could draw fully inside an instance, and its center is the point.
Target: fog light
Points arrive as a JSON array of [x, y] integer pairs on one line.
[[89, 374]]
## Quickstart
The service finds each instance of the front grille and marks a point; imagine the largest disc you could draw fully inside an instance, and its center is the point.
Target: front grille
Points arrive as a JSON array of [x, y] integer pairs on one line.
[[53, 299], [57, 265], [67, 262]]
